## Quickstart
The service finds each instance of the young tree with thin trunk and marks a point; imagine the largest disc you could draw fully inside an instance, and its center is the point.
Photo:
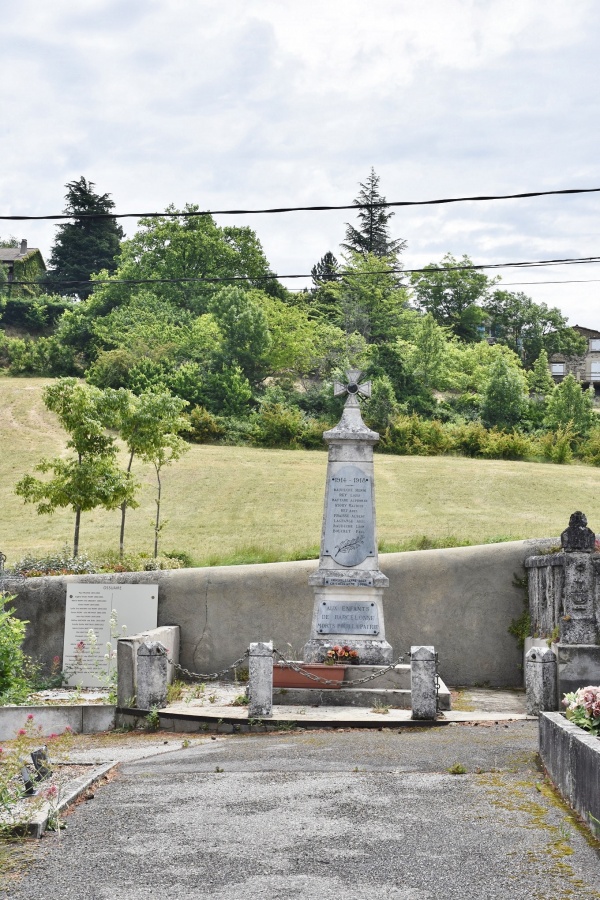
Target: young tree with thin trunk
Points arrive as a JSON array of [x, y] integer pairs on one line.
[[90, 477], [149, 424]]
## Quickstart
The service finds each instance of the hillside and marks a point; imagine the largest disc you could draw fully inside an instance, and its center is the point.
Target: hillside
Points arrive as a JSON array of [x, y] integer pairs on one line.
[[220, 501]]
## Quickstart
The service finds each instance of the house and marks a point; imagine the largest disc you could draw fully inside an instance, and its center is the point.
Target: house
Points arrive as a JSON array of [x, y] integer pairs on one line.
[[22, 263], [586, 369]]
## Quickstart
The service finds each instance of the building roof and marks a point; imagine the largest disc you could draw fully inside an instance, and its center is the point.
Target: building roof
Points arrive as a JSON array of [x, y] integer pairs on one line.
[[587, 332], [10, 255]]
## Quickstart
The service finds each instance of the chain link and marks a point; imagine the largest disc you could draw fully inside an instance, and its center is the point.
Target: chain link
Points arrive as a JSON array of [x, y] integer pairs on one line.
[[350, 684], [205, 676]]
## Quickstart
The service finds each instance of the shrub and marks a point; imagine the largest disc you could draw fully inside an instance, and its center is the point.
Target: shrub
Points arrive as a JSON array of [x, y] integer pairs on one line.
[[556, 446], [278, 426], [589, 450], [63, 563], [311, 436], [470, 438], [412, 436], [13, 683], [204, 427], [507, 445]]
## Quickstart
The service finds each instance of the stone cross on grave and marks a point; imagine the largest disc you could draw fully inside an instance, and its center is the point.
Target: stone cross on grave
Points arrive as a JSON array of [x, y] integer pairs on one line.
[[354, 389]]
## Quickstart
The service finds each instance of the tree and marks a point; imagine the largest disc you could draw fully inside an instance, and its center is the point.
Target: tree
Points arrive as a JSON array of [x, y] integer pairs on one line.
[[245, 331], [372, 235], [85, 245], [91, 476], [539, 379], [453, 293], [371, 302], [528, 327], [570, 404], [327, 269], [149, 425], [504, 397]]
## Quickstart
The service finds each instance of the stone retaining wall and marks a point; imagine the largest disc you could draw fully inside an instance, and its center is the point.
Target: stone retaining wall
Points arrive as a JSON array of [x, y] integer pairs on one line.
[[571, 757], [459, 600]]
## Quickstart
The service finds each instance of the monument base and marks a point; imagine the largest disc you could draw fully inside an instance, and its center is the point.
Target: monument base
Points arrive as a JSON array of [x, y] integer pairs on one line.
[[578, 666], [370, 652]]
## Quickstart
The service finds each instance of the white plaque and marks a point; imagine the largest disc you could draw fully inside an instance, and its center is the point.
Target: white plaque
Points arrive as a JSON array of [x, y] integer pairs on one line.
[[347, 617], [90, 608]]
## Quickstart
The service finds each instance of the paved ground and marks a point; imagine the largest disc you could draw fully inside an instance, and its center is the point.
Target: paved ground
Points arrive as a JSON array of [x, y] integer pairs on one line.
[[355, 814]]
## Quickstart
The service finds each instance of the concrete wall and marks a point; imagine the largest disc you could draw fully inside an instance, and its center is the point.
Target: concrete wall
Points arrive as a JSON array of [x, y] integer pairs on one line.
[[571, 757], [460, 600]]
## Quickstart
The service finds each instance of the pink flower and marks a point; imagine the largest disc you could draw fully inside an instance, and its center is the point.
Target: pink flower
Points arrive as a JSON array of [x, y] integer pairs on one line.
[[21, 731], [1, 750], [56, 660], [68, 728], [30, 717], [51, 736]]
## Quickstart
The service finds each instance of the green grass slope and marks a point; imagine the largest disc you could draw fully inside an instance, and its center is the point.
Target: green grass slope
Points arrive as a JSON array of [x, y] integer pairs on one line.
[[234, 503]]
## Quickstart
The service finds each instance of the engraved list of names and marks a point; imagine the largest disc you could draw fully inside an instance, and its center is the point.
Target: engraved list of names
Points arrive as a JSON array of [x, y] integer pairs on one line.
[[349, 527]]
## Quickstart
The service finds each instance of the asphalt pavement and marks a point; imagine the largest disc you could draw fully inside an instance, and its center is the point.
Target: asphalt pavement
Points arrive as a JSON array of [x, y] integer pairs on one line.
[[333, 813]]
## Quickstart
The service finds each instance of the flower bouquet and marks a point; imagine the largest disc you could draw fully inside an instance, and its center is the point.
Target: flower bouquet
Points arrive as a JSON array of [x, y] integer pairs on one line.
[[583, 708], [342, 655]]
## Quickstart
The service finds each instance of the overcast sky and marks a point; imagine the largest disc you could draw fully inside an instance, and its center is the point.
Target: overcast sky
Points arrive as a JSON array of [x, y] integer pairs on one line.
[[254, 103]]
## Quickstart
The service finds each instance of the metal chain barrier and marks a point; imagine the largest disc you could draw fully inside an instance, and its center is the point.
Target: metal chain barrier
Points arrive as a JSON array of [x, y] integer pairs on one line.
[[205, 676], [350, 684]]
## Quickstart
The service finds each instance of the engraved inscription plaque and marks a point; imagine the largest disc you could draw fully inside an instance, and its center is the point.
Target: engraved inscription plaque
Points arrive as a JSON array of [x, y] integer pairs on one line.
[[347, 617], [89, 608], [349, 527]]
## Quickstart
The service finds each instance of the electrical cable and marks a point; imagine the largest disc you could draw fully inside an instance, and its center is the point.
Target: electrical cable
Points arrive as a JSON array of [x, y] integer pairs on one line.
[[541, 263], [286, 209]]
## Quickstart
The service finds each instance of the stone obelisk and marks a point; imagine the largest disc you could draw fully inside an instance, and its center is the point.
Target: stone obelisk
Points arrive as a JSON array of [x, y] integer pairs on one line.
[[348, 585]]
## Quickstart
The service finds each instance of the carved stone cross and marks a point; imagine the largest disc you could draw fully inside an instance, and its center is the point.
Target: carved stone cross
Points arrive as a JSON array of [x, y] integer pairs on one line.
[[354, 389]]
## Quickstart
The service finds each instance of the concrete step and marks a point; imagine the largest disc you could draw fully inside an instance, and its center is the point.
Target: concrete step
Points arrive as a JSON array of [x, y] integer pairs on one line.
[[397, 678], [360, 696]]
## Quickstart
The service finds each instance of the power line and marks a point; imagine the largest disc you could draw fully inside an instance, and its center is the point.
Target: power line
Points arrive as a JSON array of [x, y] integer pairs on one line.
[[286, 209], [540, 263]]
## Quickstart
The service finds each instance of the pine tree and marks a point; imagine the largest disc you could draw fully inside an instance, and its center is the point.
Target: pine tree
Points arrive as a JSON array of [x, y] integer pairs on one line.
[[325, 270], [85, 245], [372, 235]]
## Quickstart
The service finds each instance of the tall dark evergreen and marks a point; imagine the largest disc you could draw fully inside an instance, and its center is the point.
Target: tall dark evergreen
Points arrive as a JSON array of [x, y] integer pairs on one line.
[[325, 270], [85, 245], [372, 234]]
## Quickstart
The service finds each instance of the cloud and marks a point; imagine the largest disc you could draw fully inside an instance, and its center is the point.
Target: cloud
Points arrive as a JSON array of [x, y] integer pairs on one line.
[[261, 104]]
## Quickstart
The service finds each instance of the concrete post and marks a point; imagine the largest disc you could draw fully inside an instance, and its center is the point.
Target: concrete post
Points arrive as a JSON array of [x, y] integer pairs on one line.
[[260, 684], [540, 681], [422, 683], [152, 676]]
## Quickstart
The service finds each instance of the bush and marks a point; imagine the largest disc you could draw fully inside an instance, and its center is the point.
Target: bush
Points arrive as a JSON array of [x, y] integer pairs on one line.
[[204, 427], [589, 450], [13, 683], [63, 563], [412, 436], [311, 436], [470, 438], [507, 445], [557, 446], [278, 426]]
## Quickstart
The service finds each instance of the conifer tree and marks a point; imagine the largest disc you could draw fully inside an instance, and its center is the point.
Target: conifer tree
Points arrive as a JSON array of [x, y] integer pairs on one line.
[[85, 245], [372, 235]]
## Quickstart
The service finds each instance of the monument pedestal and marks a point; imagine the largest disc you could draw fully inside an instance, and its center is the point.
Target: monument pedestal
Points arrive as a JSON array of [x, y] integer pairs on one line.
[[348, 605]]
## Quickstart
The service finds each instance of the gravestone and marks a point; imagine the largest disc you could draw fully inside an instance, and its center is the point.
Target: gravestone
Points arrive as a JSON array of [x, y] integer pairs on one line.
[[348, 586], [90, 607]]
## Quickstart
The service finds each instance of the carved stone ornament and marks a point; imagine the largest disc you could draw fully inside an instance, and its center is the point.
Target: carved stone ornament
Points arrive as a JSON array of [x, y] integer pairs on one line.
[[578, 537]]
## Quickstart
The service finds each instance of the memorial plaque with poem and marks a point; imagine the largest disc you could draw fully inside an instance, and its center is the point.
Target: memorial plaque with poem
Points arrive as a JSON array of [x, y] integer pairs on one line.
[[347, 617], [89, 608]]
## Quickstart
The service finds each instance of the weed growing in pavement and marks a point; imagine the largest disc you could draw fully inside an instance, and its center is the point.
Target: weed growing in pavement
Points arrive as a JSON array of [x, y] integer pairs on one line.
[[457, 769], [153, 719]]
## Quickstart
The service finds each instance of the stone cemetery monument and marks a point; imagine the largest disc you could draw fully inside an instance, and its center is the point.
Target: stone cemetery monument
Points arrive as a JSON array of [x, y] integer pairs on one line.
[[564, 604], [109, 611], [348, 586]]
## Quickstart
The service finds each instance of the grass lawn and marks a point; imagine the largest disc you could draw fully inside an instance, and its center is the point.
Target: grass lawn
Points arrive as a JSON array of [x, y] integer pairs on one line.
[[235, 503]]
